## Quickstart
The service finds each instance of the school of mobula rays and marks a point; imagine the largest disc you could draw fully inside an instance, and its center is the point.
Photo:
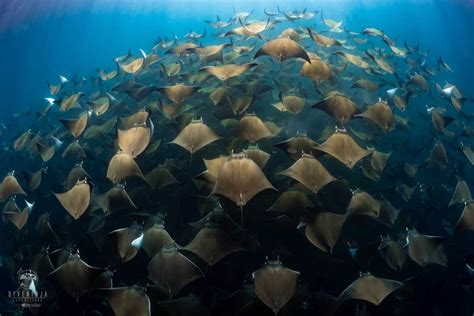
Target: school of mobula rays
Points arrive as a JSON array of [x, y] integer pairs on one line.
[[282, 169]]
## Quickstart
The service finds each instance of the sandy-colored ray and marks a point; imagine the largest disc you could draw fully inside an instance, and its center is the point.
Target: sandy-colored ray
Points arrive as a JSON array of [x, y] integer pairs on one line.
[[212, 244], [240, 179], [251, 128], [275, 284], [462, 193], [283, 48], [227, 71], [122, 165], [178, 93], [76, 200], [340, 107], [369, 288], [10, 187], [135, 140], [324, 230], [75, 276], [381, 114], [309, 172], [342, 147], [171, 271], [393, 252], [77, 126], [195, 136]]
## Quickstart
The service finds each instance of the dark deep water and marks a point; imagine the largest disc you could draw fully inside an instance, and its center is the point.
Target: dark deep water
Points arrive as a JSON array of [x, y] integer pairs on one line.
[[43, 39]]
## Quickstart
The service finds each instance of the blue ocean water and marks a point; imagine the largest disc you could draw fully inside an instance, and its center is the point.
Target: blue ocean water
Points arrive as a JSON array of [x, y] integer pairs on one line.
[[41, 39]]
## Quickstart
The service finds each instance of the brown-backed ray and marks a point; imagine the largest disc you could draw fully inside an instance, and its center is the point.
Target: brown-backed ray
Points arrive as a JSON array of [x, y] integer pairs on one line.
[[46, 152], [227, 71], [292, 202], [324, 230], [379, 113], [128, 241], [77, 126], [178, 93], [250, 29], [382, 63], [171, 271], [317, 70], [212, 244], [10, 187], [281, 49], [406, 191], [75, 276], [239, 104], [257, 155], [363, 203], [240, 179], [309, 172], [298, 145], [213, 168], [70, 102], [138, 118], [275, 284], [342, 147], [182, 49], [438, 157], [366, 84], [74, 149], [134, 141], [251, 128], [34, 178], [401, 101], [122, 165], [132, 67], [379, 160], [440, 123], [217, 95], [22, 141], [171, 70], [322, 40], [104, 76], [160, 177], [14, 215], [195, 136], [340, 107], [369, 288], [420, 81], [209, 53], [462, 193], [425, 249], [76, 200], [393, 252], [155, 238], [292, 103], [100, 105], [115, 200], [126, 301], [77, 173], [172, 110], [354, 59], [466, 220], [388, 213]]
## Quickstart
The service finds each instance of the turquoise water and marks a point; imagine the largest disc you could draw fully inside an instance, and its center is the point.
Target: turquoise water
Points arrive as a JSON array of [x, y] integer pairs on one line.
[[43, 39]]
